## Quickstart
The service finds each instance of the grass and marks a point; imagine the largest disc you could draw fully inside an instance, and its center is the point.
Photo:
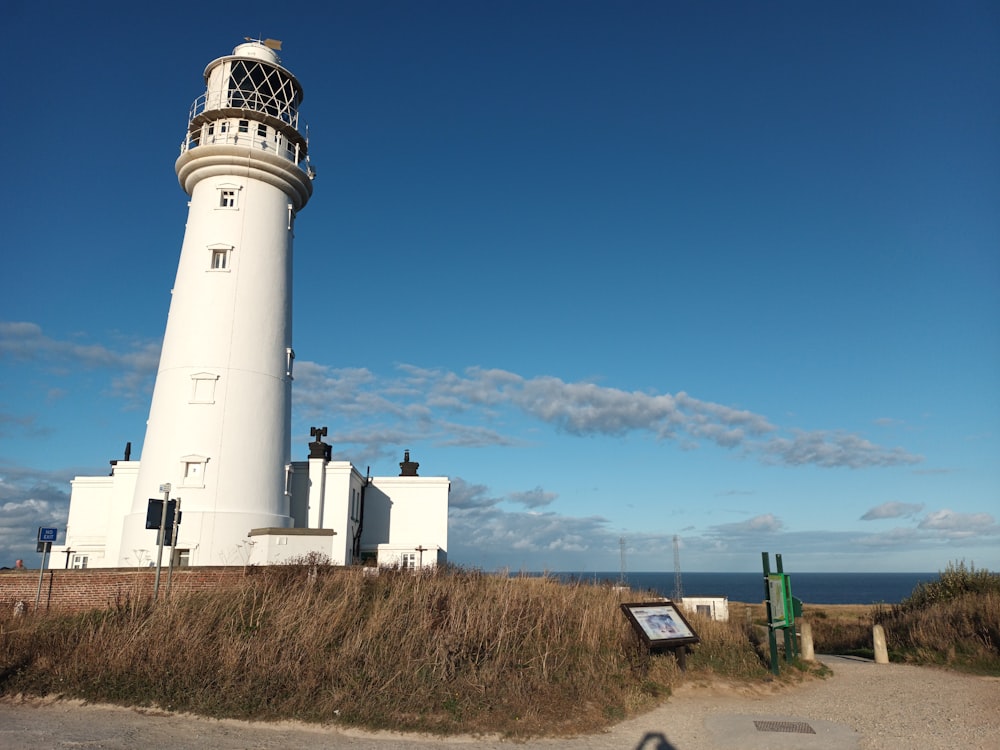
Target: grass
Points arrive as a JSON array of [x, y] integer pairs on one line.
[[454, 651], [953, 621]]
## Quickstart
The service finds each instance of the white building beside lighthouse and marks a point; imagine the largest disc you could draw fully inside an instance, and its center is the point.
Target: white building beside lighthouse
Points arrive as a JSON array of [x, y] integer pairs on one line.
[[219, 424]]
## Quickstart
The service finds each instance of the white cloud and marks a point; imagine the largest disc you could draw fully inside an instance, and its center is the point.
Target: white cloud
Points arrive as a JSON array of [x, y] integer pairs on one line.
[[893, 510], [952, 525], [133, 363], [535, 498], [833, 449], [469, 409], [766, 523]]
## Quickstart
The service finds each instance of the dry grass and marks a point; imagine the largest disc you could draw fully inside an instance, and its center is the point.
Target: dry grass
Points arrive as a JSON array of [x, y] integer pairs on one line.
[[454, 651], [953, 621]]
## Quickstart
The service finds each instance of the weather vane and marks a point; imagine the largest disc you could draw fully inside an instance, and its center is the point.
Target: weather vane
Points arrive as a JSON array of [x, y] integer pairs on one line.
[[274, 44]]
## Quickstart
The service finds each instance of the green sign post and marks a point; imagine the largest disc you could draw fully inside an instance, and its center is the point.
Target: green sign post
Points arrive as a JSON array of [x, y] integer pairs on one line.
[[782, 608]]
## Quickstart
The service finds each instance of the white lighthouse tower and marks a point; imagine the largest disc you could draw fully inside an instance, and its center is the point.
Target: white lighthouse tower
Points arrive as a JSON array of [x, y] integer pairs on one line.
[[219, 424]]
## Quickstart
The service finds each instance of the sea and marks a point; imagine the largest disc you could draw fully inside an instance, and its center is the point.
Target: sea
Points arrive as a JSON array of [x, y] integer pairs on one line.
[[811, 588]]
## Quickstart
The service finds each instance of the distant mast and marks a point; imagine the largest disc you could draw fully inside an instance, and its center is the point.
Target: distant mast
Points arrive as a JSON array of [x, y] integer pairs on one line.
[[678, 588], [621, 546]]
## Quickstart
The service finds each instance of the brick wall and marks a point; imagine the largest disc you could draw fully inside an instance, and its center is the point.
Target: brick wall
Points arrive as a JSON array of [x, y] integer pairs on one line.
[[77, 590]]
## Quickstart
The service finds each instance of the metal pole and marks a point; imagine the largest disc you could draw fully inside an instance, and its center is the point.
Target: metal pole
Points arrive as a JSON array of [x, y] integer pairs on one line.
[[772, 640], [173, 544], [41, 573], [788, 633], [165, 489]]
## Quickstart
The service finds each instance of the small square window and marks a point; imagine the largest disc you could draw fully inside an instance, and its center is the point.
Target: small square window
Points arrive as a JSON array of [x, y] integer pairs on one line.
[[227, 199], [220, 259], [244, 126], [193, 471], [80, 561]]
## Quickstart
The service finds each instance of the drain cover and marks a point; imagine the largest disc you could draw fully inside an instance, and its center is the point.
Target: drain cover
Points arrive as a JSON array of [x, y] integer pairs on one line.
[[798, 727]]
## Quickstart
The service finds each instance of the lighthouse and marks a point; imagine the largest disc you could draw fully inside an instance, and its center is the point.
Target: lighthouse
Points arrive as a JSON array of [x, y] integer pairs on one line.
[[218, 435], [219, 423]]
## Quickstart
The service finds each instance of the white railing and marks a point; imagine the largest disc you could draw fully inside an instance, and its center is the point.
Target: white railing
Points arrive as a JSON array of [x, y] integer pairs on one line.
[[282, 147], [251, 101]]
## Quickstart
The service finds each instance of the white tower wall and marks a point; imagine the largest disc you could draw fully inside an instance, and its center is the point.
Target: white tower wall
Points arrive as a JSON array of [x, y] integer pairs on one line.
[[219, 423]]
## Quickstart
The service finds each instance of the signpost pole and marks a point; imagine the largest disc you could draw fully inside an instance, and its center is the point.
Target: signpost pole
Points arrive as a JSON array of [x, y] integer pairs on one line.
[[45, 539], [165, 489], [41, 574], [772, 640], [174, 531], [791, 643]]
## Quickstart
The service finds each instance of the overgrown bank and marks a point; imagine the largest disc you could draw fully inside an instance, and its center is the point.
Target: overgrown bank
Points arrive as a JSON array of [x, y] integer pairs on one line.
[[953, 621], [455, 651]]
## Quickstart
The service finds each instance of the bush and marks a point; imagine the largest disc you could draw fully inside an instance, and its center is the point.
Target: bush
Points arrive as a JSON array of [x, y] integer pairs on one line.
[[953, 621]]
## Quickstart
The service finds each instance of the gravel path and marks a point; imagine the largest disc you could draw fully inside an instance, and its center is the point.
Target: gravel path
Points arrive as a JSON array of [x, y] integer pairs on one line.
[[863, 705]]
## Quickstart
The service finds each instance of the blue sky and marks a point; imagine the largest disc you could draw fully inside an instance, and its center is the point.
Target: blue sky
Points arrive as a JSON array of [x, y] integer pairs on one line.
[[727, 271]]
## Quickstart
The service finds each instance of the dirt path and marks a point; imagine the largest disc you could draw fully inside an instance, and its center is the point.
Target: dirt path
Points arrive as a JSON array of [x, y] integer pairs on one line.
[[863, 705]]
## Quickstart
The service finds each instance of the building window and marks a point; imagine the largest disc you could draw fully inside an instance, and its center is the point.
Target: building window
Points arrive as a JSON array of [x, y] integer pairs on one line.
[[193, 471], [408, 560], [229, 196], [223, 127], [80, 561], [220, 258], [244, 126], [182, 558], [203, 387], [211, 128], [261, 130]]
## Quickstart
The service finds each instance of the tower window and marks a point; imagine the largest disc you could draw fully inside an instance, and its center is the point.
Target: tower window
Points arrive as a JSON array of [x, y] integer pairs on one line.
[[223, 127], [244, 126], [220, 258], [261, 130], [203, 388], [229, 193], [193, 471]]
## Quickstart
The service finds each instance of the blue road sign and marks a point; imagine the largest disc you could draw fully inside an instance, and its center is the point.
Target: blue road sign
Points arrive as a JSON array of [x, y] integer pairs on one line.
[[47, 535]]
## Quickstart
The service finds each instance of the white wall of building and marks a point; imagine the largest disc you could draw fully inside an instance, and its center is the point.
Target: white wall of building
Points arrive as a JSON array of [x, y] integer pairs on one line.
[[715, 607], [406, 513], [293, 545]]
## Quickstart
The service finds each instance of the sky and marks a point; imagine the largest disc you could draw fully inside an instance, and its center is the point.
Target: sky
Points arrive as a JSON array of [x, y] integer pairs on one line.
[[726, 272]]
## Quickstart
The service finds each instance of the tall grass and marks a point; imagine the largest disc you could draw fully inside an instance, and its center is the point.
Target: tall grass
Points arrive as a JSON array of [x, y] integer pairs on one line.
[[952, 621], [445, 652]]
